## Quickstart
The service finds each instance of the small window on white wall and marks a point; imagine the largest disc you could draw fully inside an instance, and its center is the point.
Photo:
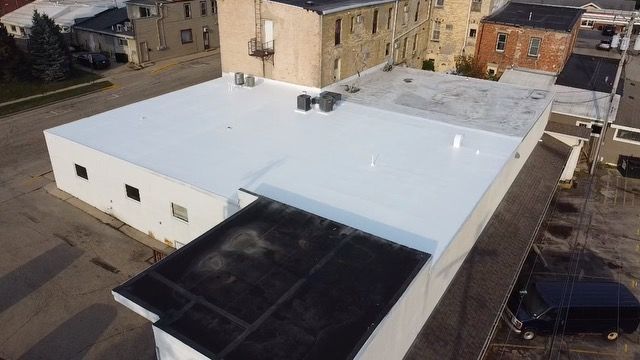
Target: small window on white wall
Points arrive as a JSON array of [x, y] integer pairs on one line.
[[132, 192], [81, 171], [179, 212]]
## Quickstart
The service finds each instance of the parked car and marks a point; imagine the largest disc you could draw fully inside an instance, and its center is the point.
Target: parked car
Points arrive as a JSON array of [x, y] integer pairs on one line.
[[93, 60], [604, 45], [609, 31], [607, 308]]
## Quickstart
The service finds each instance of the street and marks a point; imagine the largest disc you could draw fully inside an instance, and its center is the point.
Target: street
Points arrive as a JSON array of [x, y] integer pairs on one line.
[[58, 264]]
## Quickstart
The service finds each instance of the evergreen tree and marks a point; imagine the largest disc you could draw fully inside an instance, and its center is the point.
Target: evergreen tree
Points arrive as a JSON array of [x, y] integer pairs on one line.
[[49, 61], [13, 65]]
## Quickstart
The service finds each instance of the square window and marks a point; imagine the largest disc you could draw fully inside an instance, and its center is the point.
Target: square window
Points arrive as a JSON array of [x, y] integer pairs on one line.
[[501, 43], [439, 2], [81, 171], [473, 33], [179, 212], [132, 192], [144, 12], [186, 36]]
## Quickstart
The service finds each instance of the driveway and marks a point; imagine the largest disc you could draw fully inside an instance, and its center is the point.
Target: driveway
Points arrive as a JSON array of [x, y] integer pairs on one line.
[[58, 264]]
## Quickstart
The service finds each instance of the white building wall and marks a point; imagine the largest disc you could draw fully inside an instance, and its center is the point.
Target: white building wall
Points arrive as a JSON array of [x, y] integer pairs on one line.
[[170, 348], [395, 334], [576, 147], [105, 190]]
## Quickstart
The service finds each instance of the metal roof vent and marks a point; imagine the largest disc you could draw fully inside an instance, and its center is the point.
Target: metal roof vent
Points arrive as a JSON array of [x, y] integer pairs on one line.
[[249, 81], [239, 78]]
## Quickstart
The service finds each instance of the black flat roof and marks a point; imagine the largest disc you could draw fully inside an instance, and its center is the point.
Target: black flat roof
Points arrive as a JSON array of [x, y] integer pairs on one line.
[[323, 6], [536, 16], [276, 282], [590, 73], [463, 322]]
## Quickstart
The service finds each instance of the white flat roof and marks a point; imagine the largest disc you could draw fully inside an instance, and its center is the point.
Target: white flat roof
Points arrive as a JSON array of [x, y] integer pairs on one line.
[[420, 190], [587, 104], [457, 100]]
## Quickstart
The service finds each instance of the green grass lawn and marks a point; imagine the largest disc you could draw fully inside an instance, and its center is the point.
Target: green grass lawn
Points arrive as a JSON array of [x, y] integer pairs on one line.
[[43, 100], [17, 90]]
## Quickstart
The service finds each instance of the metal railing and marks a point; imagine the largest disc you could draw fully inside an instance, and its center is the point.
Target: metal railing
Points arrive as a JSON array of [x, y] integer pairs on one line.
[[260, 49]]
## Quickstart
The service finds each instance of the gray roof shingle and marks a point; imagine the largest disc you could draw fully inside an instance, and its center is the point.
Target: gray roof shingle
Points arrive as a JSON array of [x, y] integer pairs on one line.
[[536, 16], [464, 320]]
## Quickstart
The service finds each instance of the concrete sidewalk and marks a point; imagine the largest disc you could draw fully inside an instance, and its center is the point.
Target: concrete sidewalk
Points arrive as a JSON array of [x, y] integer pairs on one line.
[[107, 219]]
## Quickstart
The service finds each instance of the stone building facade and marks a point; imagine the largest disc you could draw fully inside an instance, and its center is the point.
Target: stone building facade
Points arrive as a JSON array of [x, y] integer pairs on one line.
[[453, 29], [166, 29], [317, 45]]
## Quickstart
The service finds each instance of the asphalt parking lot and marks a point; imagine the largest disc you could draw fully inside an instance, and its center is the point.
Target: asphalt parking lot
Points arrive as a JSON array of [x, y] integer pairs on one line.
[[604, 242], [58, 264]]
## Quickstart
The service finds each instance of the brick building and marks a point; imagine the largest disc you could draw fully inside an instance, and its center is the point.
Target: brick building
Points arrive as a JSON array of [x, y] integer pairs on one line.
[[7, 6], [528, 36]]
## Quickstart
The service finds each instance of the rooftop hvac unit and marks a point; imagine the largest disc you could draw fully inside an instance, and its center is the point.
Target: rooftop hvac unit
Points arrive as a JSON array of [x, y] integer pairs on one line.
[[326, 103], [304, 102], [239, 78], [249, 81], [336, 96]]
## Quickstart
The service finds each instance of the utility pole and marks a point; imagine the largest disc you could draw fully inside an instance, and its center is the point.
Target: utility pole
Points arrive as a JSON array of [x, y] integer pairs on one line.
[[623, 58]]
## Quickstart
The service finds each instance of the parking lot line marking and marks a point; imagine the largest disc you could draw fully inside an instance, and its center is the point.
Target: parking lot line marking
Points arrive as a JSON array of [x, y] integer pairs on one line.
[[593, 352]]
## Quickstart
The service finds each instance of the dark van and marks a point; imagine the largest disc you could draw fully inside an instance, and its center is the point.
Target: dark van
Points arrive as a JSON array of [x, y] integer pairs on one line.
[[606, 308]]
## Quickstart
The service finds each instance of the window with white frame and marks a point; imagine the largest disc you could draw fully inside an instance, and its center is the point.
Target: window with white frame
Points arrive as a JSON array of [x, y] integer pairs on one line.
[[587, 23], [625, 135], [534, 46], [179, 212], [501, 42]]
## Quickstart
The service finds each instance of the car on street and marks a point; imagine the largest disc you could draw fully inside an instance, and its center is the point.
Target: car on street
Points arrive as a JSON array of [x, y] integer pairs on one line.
[[604, 45], [559, 307], [93, 60]]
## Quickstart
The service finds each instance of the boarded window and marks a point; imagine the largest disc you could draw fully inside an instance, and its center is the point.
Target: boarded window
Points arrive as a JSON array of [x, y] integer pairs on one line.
[[186, 36], [132, 192], [435, 34], [81, 171], [179, 212]]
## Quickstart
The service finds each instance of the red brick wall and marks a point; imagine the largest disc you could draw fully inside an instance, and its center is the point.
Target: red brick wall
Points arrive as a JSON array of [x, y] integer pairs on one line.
[[554, 49], [7, 6]]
